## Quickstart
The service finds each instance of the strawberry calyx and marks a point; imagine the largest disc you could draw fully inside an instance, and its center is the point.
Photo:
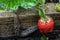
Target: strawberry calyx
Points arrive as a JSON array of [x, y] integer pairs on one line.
[[45, 20]]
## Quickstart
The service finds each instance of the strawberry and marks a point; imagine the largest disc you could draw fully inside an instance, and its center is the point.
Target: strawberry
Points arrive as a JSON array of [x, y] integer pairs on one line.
[[46, 25]]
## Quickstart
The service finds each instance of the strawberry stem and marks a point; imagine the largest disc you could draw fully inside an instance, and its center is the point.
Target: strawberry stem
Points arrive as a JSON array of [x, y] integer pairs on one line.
[[42, 13], [44, 37]]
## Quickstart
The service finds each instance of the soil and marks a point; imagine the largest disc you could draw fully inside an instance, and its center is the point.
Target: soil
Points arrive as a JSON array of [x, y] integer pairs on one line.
[[28, 18], [6, 24]]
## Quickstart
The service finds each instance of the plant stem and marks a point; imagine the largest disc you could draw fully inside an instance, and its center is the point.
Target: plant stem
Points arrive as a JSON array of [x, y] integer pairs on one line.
[[44, 37], [41, 13]]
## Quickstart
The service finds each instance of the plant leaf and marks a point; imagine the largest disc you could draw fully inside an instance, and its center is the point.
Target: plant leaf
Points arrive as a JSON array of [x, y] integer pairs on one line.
[[41, 1], [28, 3], [14, 4], [11, 4]]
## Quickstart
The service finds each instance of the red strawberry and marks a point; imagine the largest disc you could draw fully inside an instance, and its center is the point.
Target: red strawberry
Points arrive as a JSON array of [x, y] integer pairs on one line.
[[46, 25]]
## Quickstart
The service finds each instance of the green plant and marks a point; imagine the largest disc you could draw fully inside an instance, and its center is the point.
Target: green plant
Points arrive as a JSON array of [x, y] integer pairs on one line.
[[13, 4], [57, 7], [9, 4]]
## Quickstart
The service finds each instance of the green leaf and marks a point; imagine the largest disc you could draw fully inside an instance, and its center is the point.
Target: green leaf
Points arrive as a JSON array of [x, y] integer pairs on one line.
[[14, 4], [2, 4], [10, 4], [41, 1], [28, 3], [43, 37]]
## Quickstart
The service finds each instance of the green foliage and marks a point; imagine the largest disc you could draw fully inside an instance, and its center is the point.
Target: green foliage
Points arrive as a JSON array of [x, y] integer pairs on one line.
[[10, 4], [57, 7], [28, 3], [14, 4], [41, 1], [43, 37]]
